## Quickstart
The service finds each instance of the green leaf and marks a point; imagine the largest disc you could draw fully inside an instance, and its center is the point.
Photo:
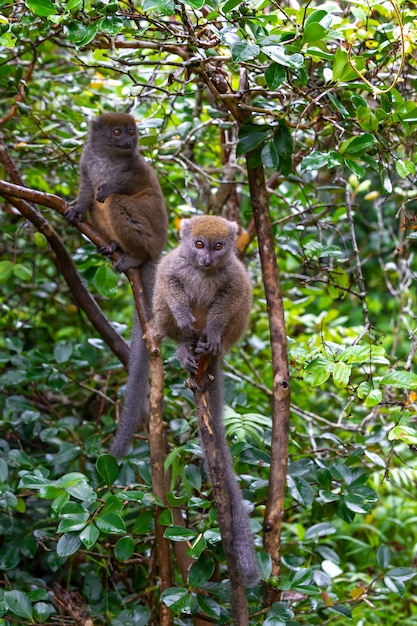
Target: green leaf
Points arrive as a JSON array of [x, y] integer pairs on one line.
[[275, 75], [22, 271], [270, 156], [319, 530], [318, 371], [283, 143], [18, 603], [300, 490], [111, 25], [80, 34], [373, 398], [111, 524], [133, 496], [279, 55], [341, 609], [166, 7], [251, 136], [338, 105], [72, 525], [402, 573], [200, 572], [244, 51], [40, 240], [341, 374], [316, 160], [354, 167], [383, 556], [356, 504], [375, 458], [264, 563], [89, 535], [313, 32], [230, 4], [177, 599], [106, 281], [209, 607], [76, 485], [192, 474], [403, 433], [195, 4], [166, 518], [405, 168], [124, 548], [108, 469], [197, 547], [144, 523], [301, 576], [8, 40], [68, 544], [396, 586], [63, 351], [4, 471], [6, 270], [357, 145], [180, 533], [42, 611], [44, 8], [342, 72], [281, 611], [318, 16], [400, 379]]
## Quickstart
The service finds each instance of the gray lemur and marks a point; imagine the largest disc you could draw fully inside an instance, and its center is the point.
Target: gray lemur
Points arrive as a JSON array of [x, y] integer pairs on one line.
[[202, 299], [124, 200]]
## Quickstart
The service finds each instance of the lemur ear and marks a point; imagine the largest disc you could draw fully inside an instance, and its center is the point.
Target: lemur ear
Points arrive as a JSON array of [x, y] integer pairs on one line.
[[233, 229], [185, 227]]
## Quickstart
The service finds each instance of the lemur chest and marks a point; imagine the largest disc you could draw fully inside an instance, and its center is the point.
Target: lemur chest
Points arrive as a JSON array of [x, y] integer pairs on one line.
[[203, 297]]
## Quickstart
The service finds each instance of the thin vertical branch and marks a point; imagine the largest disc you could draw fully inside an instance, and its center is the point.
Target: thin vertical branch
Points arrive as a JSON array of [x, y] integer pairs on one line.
[[281, 386], [357, 258]]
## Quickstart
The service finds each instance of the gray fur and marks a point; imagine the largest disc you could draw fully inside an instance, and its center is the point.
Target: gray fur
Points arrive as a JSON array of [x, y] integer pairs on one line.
[[123, 198], [120, 192], [202, 300], [135, 410]]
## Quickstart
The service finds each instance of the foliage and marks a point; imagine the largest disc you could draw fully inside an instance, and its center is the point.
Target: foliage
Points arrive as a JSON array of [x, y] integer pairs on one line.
[[322, 96]]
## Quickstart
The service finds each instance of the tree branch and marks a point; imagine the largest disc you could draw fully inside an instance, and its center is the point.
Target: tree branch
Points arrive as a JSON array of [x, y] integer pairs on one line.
[[67, 268], [281, 387]]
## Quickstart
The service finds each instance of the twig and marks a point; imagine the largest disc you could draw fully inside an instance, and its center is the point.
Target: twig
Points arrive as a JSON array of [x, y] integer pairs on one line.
[[356, 255]]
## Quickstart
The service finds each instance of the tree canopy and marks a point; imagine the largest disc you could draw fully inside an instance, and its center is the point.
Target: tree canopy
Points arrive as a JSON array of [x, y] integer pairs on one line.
[[298, 121]]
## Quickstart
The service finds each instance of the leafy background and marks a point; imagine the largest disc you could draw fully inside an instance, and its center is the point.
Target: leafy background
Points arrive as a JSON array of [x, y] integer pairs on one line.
[[325, 94]]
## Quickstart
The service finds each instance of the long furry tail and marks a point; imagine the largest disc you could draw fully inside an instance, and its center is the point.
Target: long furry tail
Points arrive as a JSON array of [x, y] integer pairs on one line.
[[136, 403], [243, 545]]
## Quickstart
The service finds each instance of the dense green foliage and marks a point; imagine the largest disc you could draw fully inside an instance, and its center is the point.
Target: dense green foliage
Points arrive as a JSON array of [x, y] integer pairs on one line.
[[320, 107]]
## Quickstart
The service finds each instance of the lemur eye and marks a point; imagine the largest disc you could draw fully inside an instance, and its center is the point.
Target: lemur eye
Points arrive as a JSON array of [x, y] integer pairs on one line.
[[219, 246], [131, 131], [117, 132], [199, 244]]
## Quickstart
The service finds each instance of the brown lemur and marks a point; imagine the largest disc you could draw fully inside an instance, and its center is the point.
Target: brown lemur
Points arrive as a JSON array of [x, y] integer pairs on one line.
[[124, 200], [202, 299]]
